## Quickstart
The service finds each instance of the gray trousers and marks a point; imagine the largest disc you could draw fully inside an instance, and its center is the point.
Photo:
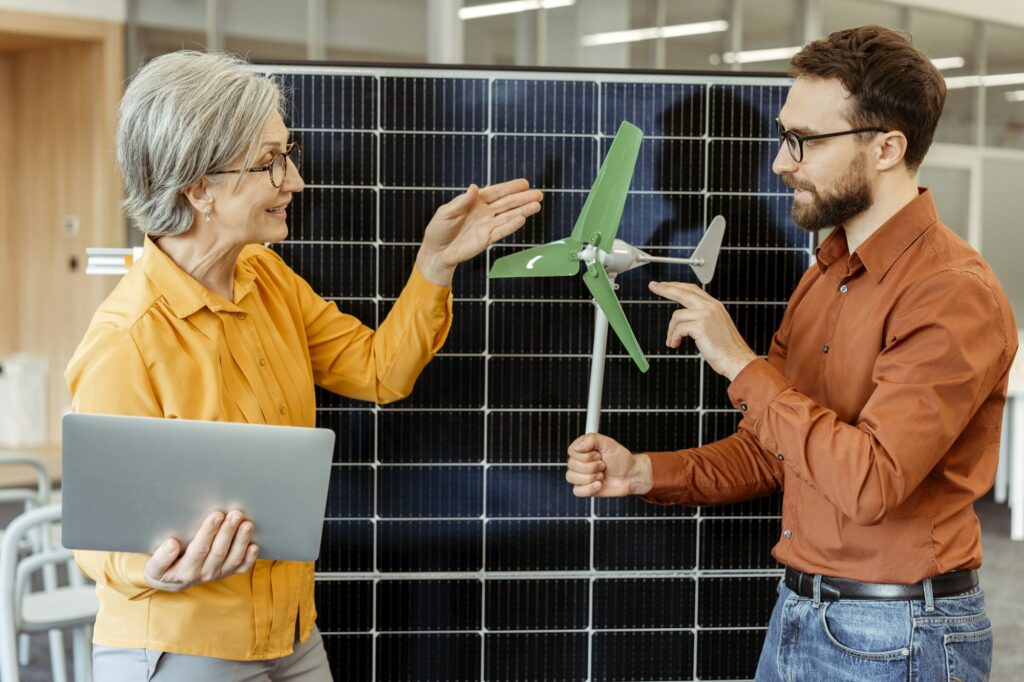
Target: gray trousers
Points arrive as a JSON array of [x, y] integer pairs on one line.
[[307, 663]]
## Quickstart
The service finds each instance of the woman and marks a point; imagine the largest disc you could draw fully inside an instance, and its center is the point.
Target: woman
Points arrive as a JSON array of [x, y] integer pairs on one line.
[[212, 325]]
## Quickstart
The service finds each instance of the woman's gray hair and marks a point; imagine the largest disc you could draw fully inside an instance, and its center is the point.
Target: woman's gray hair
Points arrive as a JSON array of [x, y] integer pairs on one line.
[[184, 115]]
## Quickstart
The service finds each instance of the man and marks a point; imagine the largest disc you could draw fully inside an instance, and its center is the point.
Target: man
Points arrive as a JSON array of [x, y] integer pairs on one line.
[[877, 411]]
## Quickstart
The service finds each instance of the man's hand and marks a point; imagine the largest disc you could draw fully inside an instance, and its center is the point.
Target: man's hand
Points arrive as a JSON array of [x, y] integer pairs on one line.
[[705, 320], [472, 221], [601, 467], [220, 549]]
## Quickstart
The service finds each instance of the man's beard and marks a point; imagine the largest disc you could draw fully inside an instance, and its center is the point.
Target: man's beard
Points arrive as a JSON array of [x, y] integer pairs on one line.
[[818, 211]]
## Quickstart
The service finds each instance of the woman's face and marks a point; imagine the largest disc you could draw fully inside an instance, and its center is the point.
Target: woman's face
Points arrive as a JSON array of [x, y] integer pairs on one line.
[[256, 211]]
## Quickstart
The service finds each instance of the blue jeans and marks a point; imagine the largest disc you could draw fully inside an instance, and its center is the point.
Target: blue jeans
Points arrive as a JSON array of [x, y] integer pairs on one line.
[[881, 641]]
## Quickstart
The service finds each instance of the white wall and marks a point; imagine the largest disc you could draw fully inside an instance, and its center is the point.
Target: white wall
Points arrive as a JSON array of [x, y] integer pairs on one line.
[[999, 11], [356, 25], [106, 10]]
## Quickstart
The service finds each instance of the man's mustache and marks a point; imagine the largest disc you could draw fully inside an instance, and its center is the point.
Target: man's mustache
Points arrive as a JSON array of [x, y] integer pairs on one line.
[[788, 180]]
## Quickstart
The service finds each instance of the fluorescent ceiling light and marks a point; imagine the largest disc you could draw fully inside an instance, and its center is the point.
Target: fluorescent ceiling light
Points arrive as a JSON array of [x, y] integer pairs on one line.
[[1014, 96], [496, 8], [777, 54], [654, 32], [991, 81], [948, 63], [749, 56]]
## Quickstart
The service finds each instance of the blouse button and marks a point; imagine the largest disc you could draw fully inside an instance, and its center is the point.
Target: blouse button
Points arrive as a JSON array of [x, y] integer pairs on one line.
[[263, 362], [780, 456], [283, 409], [787, 533], [241, 316], [743, 406], [843, 289], [825, 349]]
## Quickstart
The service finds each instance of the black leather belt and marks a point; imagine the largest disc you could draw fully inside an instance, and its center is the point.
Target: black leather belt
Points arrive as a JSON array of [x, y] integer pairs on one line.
[[833, 589]]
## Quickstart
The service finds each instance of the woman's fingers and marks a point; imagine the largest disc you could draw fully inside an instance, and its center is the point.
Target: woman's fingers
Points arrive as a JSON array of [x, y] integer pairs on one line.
[[162, 560], [460, 204], [250, 559], [514, 201], [492, 193], [239, 548], [221, 545]]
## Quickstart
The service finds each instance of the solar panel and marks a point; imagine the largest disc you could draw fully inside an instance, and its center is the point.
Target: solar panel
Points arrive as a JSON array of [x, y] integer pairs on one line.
[[453, 549]]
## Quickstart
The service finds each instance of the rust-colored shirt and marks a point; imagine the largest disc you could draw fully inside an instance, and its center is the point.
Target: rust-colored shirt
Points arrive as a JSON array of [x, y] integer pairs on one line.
[[877, 412]]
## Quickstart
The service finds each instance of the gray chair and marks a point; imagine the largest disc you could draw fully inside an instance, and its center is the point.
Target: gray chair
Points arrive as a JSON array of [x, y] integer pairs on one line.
[[72, 606]]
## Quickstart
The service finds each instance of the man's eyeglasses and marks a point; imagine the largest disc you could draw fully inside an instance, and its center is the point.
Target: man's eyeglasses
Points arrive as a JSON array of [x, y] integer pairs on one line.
[[796, 142], [278, 166]]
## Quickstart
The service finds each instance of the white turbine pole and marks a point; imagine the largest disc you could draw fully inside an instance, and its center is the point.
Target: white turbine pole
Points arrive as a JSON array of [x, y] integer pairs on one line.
[[597, 370]]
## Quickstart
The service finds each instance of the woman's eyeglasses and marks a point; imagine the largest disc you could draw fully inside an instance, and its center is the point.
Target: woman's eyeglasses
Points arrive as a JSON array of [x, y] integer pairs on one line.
[[278, 166]]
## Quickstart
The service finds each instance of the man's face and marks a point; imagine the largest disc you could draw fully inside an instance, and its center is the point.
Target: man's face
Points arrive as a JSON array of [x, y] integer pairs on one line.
[[831, 184]]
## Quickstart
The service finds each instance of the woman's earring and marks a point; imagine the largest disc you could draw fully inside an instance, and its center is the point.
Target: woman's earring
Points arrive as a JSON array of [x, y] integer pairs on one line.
[[206, 214]]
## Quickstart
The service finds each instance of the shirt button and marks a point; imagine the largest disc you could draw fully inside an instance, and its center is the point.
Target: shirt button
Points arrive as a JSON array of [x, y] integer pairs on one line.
[[780, 456], [743, 406], [263, 362], [843, 289], [825, 349], [241, 316], [283, 409], [787, 533]]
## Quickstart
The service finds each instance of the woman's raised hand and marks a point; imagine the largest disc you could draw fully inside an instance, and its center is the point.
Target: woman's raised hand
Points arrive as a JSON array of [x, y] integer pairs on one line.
[[469, 223]]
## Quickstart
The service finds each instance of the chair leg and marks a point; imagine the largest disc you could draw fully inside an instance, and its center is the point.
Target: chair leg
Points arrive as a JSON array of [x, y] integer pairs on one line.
[[82, 653], [24, 649], [58, 662], [88, 654]]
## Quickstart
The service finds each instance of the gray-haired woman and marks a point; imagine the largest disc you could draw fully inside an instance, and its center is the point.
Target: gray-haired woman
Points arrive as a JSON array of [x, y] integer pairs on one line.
[[212, 325]]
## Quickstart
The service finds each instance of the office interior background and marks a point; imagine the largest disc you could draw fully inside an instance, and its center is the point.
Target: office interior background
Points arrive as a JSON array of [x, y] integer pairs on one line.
[[64, 63]]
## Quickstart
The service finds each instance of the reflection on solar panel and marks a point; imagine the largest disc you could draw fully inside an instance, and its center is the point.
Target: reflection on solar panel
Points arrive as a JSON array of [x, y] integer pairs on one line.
[[453, 548]]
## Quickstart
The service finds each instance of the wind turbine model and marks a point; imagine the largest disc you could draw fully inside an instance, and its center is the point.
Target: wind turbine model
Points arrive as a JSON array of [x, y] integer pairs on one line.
[[593, 243]]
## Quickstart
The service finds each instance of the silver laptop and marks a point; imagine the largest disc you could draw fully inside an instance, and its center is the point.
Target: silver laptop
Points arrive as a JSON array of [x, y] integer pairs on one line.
[[129, 483]]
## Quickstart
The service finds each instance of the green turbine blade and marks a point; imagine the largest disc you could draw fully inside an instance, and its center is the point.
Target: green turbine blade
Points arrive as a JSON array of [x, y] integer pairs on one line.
[[599, 219], [549, 260], [597, 281]]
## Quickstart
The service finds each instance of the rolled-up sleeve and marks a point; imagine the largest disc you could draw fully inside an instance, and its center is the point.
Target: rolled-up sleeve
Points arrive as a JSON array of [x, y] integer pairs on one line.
[[379, 365]]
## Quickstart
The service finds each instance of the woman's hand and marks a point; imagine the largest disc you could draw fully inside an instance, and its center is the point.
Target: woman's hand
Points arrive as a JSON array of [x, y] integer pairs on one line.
[[220, 549], [472, 221]]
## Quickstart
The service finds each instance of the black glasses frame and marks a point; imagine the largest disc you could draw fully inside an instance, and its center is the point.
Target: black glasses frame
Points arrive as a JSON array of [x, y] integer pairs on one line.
[[795, 143], [269, 168]]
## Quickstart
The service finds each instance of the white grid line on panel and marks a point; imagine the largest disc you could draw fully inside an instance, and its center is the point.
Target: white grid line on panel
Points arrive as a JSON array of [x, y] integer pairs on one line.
[[482, 410], [703, 366], [487, 372], [484, 630], [592, 503], [640, 574], [555, 190], [378, 114]]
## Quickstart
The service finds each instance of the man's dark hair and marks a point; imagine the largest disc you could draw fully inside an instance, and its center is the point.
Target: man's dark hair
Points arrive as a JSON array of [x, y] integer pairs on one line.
[[892, 84]]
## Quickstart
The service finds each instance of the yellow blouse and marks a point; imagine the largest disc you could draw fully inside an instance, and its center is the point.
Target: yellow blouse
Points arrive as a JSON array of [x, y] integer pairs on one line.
[[163, 345]]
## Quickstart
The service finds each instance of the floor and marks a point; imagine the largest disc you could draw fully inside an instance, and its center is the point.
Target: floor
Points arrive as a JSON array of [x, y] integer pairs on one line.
[[1000, 576]]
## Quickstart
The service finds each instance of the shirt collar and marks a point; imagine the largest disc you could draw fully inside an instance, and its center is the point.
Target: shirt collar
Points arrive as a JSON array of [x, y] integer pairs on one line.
[[184, 294], [883, 248]]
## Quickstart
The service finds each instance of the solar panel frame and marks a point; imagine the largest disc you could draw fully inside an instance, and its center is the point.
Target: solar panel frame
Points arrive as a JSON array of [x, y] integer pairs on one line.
[[458, 490]]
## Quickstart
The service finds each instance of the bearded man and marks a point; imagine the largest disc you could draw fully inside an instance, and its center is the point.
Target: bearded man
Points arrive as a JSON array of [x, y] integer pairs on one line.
[[877, 411]]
